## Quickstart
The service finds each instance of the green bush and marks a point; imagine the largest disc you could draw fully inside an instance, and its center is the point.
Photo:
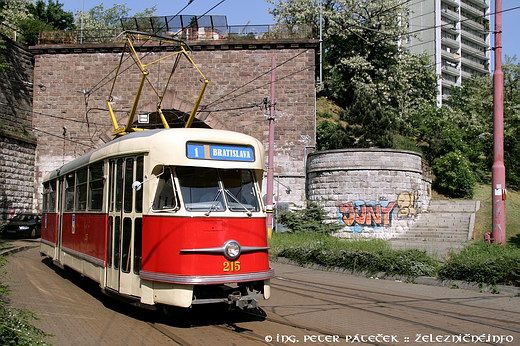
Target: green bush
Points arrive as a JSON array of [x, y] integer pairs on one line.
[[363, 256], [310, 219], [484, 264], [453, 175]]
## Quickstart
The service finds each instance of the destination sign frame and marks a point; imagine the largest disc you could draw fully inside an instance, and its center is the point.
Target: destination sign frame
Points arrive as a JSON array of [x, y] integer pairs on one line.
[[220, 152]]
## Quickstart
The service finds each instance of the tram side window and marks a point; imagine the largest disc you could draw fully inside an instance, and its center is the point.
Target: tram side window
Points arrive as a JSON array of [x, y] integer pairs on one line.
[[126, 245], [69, 192], [119, 184], [49, 196], [81, 190], [138, 231], [129, 179], [139, 177], [165, 195], [96, 183]]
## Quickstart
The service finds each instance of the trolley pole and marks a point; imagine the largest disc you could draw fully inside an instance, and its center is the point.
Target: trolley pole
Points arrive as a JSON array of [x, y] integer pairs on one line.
[[270, 155], [498, 170]]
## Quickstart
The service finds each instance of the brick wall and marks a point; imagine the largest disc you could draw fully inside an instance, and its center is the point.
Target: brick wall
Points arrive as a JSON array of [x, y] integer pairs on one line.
[[371, 192], [73, 83], [17, 142]]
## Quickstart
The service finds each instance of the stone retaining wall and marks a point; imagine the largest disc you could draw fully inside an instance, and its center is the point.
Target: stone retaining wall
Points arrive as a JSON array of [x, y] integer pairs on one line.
[[371, 192], [17, 141], [16, 176]]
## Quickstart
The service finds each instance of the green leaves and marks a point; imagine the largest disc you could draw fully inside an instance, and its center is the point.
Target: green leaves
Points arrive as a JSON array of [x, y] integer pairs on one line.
[[310, 219], [485, 264]]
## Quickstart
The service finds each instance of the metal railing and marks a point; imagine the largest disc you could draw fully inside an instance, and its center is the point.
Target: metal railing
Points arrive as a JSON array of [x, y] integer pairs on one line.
[[211, 33]]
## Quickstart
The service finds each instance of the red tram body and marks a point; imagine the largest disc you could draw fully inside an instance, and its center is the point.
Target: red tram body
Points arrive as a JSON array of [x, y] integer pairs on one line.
[[171, 217]]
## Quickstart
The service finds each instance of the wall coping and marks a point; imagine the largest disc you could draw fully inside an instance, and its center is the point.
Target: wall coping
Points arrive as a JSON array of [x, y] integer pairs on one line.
[[375, 150], [212, 45]]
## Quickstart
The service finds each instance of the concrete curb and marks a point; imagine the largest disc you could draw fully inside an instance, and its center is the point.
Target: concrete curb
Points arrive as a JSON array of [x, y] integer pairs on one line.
[[422, 280], [12, 250]]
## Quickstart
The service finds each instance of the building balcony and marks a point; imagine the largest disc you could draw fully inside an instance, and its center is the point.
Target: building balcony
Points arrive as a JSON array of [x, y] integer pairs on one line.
[[476, 11], [465, 75], [451, 70], [474, 52], [448, 83], [449, 14], [474, 38], [453, 3], [475, 65], [450, 56], [450, 42], [470, 23], [448, 26], [484, 4]]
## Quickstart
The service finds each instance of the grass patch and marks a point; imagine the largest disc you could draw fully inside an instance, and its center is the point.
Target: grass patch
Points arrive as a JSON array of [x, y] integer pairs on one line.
[[479, 263], [484, 264], [359, 256], [483, 218]]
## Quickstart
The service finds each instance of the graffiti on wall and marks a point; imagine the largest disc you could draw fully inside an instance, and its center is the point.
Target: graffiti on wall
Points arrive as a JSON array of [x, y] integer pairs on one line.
[[359, 214]]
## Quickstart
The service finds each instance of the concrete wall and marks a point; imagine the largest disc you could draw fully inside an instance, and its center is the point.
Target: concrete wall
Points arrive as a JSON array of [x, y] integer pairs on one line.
[[74, 82], [371, 192], [17, 141]]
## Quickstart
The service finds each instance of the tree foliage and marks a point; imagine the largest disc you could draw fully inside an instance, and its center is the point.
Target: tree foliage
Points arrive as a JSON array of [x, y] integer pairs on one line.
[[367, 73], [99, 17], [29, 18]]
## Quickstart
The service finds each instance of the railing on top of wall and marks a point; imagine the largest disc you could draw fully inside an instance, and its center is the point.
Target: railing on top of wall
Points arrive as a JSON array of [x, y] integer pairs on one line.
[[232, 32]]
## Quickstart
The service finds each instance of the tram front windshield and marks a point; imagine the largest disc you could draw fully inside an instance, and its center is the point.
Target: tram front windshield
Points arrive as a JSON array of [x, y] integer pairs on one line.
[[215, 190]]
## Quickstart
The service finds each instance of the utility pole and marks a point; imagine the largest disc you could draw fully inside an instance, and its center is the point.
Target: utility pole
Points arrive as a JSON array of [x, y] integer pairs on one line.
[[270, 154], [498, 170]]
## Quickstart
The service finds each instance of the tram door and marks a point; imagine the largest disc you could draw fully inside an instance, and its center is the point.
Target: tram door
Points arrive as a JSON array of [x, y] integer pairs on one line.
[[124, 225], [61, 193]]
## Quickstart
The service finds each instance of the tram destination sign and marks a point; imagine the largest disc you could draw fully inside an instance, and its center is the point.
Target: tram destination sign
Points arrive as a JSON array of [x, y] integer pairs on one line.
[[203, 151]]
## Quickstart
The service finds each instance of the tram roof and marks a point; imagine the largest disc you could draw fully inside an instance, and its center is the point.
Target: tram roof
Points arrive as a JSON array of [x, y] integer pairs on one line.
[[168, 145]]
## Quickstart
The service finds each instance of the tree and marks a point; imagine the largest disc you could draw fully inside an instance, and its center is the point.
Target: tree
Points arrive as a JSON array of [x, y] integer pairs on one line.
[[366, 71], [12, 12], [100, 18], [464, 125], [95, 22], [31, 18]]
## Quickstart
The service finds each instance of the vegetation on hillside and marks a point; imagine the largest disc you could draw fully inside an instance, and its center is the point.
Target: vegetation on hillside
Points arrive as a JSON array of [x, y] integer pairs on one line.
[[28, 18], [379, 95]]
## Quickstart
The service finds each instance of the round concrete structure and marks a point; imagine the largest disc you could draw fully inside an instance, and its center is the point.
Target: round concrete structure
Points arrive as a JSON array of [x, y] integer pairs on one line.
[[371, 192]]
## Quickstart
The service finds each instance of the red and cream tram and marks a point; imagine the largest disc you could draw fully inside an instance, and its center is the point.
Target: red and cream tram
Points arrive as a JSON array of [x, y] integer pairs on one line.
[[170, 216]]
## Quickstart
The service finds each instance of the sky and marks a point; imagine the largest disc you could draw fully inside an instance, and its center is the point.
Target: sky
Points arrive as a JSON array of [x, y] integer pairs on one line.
[[255, 12]]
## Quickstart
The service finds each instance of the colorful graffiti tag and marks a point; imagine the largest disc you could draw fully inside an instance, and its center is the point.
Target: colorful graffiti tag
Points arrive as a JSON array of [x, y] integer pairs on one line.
[[375, 214]]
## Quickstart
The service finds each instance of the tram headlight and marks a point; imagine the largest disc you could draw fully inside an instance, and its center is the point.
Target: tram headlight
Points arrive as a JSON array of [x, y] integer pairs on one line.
[[232, 250]]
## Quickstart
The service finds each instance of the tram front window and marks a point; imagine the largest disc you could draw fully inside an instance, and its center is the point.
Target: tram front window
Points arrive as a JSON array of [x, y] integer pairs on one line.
[[212, 190], [200, 189], [239, 190]]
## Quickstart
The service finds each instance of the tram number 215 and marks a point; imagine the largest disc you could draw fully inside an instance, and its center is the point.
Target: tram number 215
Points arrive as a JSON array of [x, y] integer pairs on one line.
[[231, 266]]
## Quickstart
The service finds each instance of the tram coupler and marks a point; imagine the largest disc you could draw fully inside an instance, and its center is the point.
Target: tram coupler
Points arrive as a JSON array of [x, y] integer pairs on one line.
[[236, 299]]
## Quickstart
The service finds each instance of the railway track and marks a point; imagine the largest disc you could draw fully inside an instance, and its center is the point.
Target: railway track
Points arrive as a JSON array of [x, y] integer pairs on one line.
[[306, 307]]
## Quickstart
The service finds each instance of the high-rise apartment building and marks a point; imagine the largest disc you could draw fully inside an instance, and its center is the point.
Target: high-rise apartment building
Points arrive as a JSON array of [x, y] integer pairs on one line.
[[455, 34]]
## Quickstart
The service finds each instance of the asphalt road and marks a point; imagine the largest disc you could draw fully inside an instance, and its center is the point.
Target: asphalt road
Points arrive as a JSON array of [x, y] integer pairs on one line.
[[307, 307]]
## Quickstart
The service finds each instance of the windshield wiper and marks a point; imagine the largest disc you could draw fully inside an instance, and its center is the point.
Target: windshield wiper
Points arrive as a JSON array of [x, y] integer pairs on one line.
[[214, 203], [248, 212]]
